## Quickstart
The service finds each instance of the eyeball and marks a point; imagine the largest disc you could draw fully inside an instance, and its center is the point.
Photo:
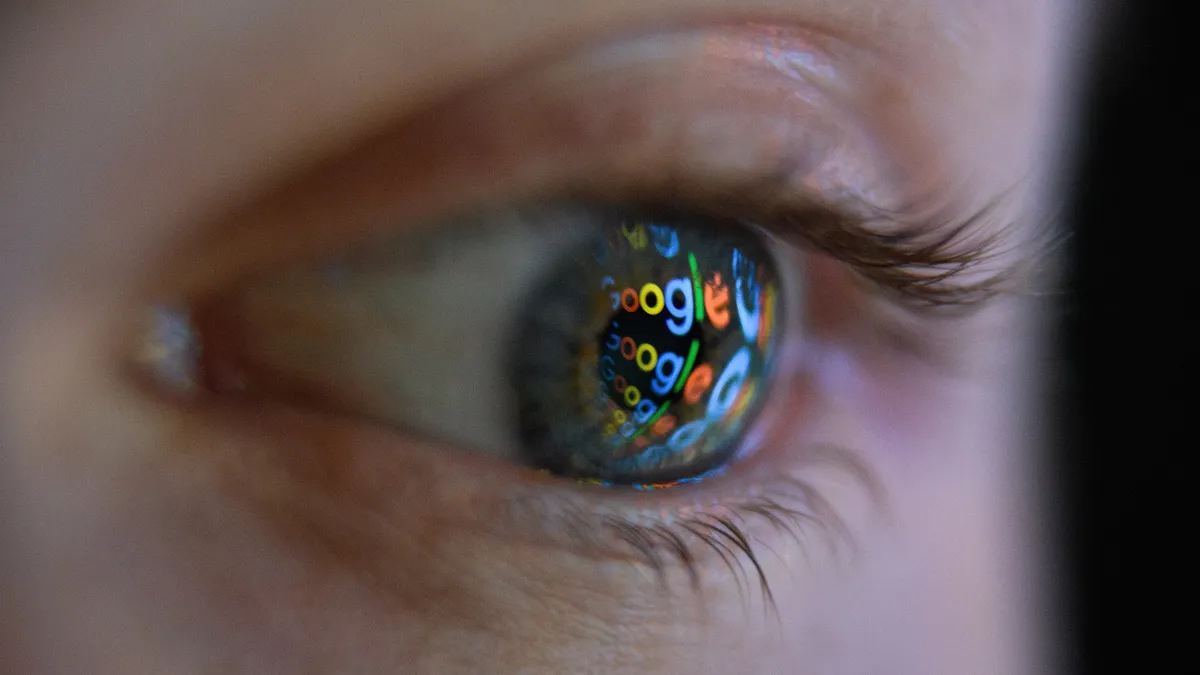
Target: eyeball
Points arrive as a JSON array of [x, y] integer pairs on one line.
[[641, 358], [570, 338]]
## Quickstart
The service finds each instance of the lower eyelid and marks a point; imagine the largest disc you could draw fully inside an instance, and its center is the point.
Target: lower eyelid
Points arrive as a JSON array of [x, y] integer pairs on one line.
[[372, 502], [371, 499]]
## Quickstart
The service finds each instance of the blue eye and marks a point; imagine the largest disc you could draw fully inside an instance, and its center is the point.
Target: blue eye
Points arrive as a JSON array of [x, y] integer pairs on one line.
[[641, 357]]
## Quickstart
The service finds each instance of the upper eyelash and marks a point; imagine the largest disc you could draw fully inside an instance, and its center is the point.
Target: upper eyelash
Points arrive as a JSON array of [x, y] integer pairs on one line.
[[924, 261], [793, 507]]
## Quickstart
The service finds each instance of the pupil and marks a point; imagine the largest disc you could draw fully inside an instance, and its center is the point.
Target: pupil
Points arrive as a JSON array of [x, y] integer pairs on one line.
[[634, 367]]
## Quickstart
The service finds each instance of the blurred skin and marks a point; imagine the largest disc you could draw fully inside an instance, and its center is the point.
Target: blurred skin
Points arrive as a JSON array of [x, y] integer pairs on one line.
[[145, 538]]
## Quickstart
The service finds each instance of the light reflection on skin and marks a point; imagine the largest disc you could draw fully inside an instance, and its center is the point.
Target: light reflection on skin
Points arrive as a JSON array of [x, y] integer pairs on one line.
[[127, 131]]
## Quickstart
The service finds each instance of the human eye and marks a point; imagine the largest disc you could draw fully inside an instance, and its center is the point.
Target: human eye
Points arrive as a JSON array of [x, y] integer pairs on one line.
[[619, 349], [592, 305]]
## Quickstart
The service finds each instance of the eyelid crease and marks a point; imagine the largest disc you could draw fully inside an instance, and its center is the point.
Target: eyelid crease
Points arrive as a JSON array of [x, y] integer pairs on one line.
[[532, 136]]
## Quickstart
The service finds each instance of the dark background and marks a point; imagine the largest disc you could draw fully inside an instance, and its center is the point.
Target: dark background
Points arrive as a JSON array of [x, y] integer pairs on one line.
[[1128, 438]]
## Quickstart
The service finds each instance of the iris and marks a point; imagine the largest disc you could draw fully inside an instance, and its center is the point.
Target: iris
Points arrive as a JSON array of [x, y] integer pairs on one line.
[[643, 354]]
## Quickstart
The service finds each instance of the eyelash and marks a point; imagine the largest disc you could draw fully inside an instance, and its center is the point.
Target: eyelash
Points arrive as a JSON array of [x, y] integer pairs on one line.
[[921, 264], [924, 262], [660, 539], [721, 533], [792, 506], [921, 260]]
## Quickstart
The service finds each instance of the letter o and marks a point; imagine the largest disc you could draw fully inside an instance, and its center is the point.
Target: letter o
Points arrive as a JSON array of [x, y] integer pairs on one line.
[[652, 292], [632, 396], [632, 348], [629, 300], [647, 364]]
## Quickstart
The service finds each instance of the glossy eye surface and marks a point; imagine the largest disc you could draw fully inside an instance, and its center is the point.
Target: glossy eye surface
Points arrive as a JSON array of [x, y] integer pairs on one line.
[[603, 345], [642, 355]]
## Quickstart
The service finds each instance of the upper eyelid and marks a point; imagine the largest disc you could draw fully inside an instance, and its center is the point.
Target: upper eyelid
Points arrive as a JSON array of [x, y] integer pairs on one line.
[[933, 259], [921, 259]]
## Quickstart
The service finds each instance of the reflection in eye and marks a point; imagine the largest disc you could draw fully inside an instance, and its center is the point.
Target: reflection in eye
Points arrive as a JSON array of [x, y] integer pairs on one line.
[[641, 358], [630, 348], [594, 344]]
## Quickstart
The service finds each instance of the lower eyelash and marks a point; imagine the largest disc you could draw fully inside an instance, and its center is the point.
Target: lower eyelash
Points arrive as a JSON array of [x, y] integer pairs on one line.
[[299, 488], [793, 507]]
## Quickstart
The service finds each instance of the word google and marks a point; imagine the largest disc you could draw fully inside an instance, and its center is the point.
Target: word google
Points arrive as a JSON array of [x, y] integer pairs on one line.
[[674, 375], [665, 343]]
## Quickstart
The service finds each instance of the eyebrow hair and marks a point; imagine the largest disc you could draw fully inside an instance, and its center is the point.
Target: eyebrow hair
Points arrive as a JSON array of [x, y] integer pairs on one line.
[[931, 259]]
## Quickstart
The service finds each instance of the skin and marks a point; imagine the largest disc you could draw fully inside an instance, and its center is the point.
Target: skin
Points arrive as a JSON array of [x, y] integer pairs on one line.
[[149, 536]]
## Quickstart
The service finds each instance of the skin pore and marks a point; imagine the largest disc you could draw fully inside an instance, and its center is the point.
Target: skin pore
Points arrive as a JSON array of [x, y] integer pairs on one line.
[[161, 150]]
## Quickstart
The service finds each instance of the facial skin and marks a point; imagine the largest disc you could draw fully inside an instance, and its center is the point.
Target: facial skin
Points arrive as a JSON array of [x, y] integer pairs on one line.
[[161, 149]]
